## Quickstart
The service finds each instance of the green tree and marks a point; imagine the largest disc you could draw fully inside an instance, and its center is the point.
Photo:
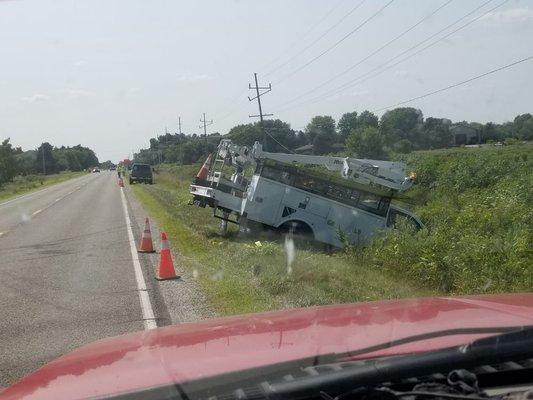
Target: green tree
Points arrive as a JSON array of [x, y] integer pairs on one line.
[[366, 119], [402, 123], [347, 123], [107, 164], [523, 126], [322, 143], [280, 136], [323, 124], [490, 132], [366, 143], [26, 162], [45, 163], [8, 162], [277, 138], [245, 134], [436, 133]]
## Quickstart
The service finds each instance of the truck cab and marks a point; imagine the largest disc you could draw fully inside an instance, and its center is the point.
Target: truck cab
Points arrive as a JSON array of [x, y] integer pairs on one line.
[[141, 173]]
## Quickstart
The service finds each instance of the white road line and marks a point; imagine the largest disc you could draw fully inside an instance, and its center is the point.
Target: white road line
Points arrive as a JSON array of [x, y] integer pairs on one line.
[[1, 233], [146, 305], [58, 199], [37, 212]]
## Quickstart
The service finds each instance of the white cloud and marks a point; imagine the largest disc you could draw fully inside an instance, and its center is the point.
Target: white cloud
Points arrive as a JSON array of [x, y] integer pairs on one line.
[[36, 98], [80, 63], [191, 77], [512, 16]]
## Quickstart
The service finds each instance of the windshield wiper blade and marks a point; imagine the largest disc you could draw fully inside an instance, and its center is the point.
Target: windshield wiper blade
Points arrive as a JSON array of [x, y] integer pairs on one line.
[[515, 345]]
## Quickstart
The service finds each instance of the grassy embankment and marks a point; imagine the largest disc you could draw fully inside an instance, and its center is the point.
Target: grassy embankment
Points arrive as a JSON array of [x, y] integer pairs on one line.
[[476, 204], [30, 183]]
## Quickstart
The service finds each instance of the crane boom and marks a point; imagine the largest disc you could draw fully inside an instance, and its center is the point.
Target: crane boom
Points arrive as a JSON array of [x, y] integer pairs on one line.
[[391, 175]]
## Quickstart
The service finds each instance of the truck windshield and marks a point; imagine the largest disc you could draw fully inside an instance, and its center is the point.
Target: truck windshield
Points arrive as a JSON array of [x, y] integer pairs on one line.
[[143, 169]]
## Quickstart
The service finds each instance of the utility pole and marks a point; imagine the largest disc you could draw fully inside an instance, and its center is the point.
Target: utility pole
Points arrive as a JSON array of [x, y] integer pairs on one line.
[[44, 166], [179, 125], [258, 97], [205, 125]]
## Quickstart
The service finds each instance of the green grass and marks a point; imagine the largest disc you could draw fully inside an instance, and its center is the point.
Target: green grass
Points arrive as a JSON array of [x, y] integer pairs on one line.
[[477, 205], [30, 183], [239, 276]]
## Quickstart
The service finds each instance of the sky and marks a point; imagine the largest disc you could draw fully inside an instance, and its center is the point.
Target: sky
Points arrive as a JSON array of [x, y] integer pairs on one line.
[[111, 74]]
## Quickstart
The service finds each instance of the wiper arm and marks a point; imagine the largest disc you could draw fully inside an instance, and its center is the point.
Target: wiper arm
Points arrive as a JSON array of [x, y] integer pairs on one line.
[[495, 349]]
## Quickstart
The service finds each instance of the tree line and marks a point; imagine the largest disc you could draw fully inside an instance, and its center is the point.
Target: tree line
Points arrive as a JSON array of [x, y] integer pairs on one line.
[[46, 159], [358, 134]]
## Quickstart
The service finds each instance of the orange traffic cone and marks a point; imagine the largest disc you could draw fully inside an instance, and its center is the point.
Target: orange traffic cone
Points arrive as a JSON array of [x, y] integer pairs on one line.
[[146, 240], [202, 174], [166, 267], [120, 182]]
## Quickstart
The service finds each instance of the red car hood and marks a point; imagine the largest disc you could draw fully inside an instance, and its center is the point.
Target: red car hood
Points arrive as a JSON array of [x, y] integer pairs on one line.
[[197, 350]]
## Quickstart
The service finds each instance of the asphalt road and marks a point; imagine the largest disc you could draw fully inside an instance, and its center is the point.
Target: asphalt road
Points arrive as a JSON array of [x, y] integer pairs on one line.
[[67, 273]]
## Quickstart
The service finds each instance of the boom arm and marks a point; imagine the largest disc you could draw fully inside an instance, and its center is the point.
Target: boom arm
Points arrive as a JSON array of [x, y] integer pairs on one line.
[[388, 174]]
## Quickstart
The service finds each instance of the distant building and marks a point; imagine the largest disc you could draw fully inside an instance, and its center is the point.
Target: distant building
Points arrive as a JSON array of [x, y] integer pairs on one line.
[[464, 135]]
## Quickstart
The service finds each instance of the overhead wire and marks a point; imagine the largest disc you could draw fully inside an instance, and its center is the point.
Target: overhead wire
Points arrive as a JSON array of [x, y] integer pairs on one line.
[[456, 84], [241, 93], [304, 49], [384, 66], [305, 34], [397, 37], [338, 42]]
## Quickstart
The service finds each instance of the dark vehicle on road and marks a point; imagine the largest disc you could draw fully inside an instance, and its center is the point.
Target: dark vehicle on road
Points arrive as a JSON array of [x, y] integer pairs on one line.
[[95, 170], [141, 173]]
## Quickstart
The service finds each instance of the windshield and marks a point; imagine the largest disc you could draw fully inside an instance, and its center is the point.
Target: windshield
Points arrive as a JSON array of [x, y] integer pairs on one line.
[[141, 168], [268, 181]]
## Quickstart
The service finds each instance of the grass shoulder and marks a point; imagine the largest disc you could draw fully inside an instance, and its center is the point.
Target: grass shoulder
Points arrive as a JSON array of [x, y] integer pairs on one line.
[[240, 276], [30, 183]]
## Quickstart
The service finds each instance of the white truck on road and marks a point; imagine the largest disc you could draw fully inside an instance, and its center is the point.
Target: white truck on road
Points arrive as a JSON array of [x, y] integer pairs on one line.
[[284, 193]]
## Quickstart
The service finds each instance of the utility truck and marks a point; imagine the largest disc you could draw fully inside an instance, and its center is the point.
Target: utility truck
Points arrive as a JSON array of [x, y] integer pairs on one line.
[[333, 200]]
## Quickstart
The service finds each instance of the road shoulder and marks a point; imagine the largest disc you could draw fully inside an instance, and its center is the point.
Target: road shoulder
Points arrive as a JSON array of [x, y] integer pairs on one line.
[[176, 301]]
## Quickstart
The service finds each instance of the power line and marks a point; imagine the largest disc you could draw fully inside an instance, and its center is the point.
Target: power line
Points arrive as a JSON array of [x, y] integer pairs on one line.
[[241, 94], [456, 84], [364, 77], [294, 56], [337, 42], [369, 56], [305, 34]]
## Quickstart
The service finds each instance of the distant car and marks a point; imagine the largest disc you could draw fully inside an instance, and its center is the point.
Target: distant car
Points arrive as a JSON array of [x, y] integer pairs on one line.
[[96, 170], [112, 168], [141, 173]]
